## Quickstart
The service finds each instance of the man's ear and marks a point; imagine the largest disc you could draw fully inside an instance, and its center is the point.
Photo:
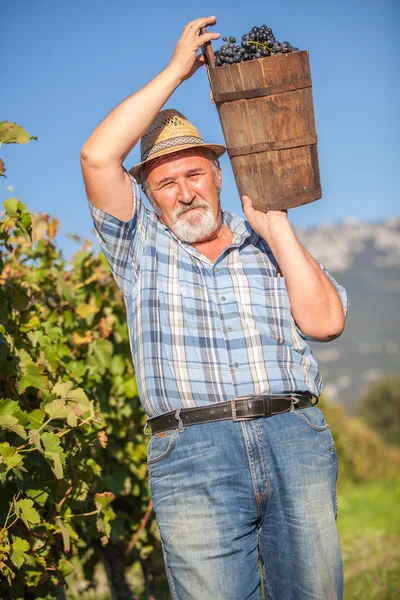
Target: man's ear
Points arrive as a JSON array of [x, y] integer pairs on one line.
[[219, 179]]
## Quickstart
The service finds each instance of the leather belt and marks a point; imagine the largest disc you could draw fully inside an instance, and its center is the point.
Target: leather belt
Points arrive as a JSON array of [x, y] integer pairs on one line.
[[238, 409]]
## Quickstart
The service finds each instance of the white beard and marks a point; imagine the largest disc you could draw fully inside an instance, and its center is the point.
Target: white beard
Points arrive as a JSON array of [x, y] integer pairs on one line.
[[195, 226]]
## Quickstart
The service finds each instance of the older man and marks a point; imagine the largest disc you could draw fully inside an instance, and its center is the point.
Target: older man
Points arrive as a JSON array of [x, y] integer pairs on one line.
[[242, 464]]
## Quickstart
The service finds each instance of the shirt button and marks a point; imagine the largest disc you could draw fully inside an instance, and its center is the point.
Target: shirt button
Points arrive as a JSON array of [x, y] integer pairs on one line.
[[229, 329], [223, 298], [216, 269], [236, 365]]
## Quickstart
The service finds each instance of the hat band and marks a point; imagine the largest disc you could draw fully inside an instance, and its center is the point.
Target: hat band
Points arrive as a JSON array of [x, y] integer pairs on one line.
[[170, 143]]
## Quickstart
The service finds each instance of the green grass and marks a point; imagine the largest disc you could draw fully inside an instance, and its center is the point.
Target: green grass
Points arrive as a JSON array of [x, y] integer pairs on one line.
[[369, 530]]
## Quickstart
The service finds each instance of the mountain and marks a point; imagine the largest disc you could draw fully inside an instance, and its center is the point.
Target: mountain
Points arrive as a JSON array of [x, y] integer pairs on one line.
[[365, 259]]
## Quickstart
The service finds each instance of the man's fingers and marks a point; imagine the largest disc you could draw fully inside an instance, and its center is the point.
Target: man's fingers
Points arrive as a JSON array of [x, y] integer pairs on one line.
[[202, 22], [207, 37]]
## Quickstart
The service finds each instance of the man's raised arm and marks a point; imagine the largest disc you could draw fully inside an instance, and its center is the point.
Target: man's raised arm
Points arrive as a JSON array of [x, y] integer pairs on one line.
[[107, 184]]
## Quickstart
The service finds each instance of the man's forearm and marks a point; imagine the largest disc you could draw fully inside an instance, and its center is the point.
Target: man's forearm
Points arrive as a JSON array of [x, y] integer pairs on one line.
[[111, 142], [315, 303]]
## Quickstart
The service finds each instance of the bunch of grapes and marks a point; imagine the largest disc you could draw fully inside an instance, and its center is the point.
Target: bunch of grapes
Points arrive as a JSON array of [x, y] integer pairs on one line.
[[258, 43]]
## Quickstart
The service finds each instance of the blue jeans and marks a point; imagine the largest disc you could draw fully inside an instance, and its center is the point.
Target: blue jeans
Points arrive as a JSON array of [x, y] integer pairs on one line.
[[230, 497]]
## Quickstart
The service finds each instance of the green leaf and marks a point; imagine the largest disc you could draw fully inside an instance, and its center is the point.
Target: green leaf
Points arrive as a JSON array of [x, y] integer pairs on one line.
[[17, 213], [18, 552], [51, 442], [10, 422], [57, 409], [103, 500], [55, 464], [38, 495], [28, 514], [65, 534], [35, 437], [103, 351], [65, 390], [65, 567], [72, 419], [11, 133], [36, 418], [8, 406], [33, 377], [9, 459]]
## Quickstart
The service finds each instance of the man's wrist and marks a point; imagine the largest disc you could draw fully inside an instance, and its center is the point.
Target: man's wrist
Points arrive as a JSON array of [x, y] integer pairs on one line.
[[173, 75]]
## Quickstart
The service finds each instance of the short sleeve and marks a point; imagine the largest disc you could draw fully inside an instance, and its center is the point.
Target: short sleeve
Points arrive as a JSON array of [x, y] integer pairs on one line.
[[122, 242], [343, 297]]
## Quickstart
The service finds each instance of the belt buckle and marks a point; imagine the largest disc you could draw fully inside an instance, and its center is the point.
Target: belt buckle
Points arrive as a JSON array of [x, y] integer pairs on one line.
[[247, 417]]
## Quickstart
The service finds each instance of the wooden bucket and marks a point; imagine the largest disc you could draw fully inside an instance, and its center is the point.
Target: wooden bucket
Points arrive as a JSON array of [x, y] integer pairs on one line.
[[267, 116]]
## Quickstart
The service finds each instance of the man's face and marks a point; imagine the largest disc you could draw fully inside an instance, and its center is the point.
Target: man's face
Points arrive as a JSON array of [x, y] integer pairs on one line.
[[185, 189]]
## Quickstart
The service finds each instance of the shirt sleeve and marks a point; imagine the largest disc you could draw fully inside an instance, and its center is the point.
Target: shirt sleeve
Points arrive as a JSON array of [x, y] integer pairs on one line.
[[122, 242], [343, 297]]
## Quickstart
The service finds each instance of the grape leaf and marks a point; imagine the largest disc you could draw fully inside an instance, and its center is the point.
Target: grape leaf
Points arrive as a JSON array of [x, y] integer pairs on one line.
[[57, 409], [103, 350], [64, 566], [56, 464], [65, 535], [33, 377], [51, 442], [9, 459], [10, 422], [36, 418], [35, 437], [8, 407], [27, 513], [38, 495], [18, 552], [11, 133]]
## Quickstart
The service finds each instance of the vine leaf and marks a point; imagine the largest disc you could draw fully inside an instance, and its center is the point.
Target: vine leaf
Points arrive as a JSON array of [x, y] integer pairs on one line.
[[9, 458], [26, 512], [54, 453], [64, 534], [18, 552], [11, 133], [10, 422], [17, 213]]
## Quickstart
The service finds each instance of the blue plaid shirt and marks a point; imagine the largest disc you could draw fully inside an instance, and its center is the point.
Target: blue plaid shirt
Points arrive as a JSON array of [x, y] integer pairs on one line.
[[200, 332]]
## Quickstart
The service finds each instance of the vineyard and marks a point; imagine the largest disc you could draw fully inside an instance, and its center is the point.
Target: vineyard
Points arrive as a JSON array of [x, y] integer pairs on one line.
[[73, 473]]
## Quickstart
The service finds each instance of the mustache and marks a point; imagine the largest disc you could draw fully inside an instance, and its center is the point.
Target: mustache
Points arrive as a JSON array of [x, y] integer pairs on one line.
[[194, 204]]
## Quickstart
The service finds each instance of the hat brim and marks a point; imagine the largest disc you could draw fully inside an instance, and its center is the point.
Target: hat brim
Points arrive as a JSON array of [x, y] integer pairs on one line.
[[218, 149]]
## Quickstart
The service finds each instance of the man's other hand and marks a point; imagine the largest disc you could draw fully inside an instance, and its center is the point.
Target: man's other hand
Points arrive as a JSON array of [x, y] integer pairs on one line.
[[261, 221], [185, 61]]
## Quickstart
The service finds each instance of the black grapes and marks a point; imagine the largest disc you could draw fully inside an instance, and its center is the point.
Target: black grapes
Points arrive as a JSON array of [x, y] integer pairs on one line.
[[259, 42]]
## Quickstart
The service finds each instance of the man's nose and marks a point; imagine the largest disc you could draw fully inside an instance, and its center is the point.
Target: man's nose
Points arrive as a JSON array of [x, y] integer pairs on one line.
[[185, 192]]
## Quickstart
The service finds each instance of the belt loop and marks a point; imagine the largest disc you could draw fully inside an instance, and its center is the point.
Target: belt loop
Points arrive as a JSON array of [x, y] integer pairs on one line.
[[178, 418], [293, 401], [316, 400], [145, 427]]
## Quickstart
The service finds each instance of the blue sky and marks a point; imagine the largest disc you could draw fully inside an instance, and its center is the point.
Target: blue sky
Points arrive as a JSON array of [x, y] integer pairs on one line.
[[66, 65]]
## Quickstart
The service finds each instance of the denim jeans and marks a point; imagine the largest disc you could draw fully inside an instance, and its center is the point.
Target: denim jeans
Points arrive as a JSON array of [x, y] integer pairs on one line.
[[230, 497]]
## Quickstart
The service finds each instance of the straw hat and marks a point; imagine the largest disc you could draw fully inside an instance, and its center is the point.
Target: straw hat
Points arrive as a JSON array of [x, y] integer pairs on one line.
[[170, 132]]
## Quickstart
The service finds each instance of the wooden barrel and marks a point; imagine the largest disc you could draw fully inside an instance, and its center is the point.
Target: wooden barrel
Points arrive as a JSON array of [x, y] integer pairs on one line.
[[267, 116]]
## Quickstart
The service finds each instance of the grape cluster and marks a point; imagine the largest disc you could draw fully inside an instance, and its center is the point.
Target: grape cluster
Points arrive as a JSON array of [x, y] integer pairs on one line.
[[258, 43]]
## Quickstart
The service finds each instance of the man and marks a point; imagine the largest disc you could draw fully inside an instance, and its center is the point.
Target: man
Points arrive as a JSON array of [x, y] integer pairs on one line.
[[242, 465]]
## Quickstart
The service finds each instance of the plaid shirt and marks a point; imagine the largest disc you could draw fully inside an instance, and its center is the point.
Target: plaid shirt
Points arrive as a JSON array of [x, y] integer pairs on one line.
[[203, 333]]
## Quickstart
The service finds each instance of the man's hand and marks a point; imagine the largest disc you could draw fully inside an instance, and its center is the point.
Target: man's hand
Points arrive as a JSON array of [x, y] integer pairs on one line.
[[262, 222], [184, 61], [315, 303]]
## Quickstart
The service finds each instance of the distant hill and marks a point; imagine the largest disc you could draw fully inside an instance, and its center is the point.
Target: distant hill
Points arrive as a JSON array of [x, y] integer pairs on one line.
[[365, 258]]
